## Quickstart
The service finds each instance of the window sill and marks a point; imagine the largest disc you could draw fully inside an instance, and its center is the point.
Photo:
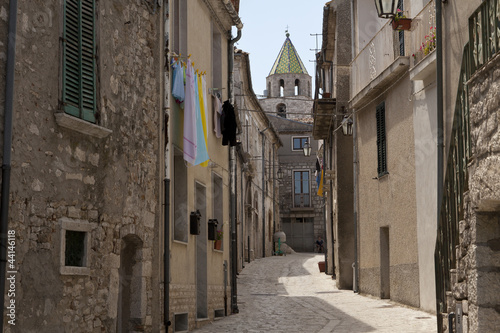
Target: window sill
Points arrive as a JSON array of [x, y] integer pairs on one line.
[[296, 209], [70, 270], [383, 175], [82, 126]]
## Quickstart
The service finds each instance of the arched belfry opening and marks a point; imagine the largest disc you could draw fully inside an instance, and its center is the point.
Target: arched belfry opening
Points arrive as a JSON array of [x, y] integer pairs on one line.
[[297, 87], [282, 88]]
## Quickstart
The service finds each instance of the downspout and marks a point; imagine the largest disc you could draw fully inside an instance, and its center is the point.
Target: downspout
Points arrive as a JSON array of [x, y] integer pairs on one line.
[[440, 127], [263, 195], [331, 206], [440, 122], [166, 256], [232, 184], [355, 204], [7, 147], [274, 194], [166, 189], [263, 191]]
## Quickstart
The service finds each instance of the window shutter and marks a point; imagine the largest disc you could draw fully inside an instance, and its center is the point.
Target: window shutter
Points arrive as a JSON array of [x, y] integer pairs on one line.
[[401, 33], [79, 59], [381, 140]]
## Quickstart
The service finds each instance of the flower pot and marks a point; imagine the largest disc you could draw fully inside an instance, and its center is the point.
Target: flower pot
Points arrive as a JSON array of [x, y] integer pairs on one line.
[[321, 265], [217, 244], [401, 24]]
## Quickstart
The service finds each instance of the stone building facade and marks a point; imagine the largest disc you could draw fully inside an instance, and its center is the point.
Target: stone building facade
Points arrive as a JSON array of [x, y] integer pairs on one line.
[[201, 280], [257, 189], [84, 193], [473, 300], [301, 209], [93, 149], [479, 250]]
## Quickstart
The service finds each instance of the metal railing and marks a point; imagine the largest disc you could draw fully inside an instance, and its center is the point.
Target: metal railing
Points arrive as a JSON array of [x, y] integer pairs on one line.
[[423, 34], [484, 37], [455, 185]]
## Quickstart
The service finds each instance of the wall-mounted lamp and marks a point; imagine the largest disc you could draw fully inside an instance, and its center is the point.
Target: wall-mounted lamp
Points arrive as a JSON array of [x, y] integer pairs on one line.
[[386, 8], [347, 126], [280, 173], [307, 149]]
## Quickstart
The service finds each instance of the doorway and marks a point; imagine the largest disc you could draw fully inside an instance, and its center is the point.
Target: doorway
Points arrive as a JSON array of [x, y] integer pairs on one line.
[[385, 267], [201, 254], [131, 309]]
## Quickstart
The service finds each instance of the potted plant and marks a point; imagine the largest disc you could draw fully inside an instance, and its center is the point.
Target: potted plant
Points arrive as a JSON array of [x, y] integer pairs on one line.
[[400, 21], [218, 240]]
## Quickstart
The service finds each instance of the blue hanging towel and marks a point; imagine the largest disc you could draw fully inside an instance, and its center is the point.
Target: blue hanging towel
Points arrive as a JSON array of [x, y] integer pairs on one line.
[[178, 91]]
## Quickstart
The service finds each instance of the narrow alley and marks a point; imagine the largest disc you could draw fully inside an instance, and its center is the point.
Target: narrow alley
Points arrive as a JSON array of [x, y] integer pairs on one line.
[[289, 294]]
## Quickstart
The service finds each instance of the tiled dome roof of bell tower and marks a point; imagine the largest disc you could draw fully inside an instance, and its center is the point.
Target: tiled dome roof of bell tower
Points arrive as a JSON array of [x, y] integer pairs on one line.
[[288, 60]]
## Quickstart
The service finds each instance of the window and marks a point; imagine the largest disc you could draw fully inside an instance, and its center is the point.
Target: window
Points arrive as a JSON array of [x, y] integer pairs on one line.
[[180, 198], [216, 58], [381, 141], [75, 244], [74, 253], [217, 202], [79, 95], [299, 142], [180, 27], [297, 87], [301, 191], [281, 110], [282, 88]]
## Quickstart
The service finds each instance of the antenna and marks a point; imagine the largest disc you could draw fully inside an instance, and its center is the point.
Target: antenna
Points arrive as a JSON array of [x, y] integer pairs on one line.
[[317, 49]]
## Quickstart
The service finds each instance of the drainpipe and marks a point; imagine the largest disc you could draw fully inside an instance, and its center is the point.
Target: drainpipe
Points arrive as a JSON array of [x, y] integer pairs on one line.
[[232, 184], [263, 191], [355, 199], [440, 127], [263, 195], [166, 197], [274, 194], [440, 122], [7, 147], [331, 206], [166, 256]]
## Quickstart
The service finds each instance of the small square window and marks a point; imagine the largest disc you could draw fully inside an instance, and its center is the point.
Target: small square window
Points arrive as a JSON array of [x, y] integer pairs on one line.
[[75, 246], [74, 254]]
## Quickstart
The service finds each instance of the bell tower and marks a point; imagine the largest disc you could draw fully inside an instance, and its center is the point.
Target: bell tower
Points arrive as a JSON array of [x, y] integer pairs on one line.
[[288, 85]]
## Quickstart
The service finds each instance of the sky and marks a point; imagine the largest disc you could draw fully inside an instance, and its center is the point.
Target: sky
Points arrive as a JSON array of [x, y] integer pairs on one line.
[[263, 34]]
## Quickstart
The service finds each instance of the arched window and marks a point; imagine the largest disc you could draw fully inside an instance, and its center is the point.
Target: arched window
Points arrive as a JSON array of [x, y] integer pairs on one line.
[[281, 110], [282, 88], [297, 87]]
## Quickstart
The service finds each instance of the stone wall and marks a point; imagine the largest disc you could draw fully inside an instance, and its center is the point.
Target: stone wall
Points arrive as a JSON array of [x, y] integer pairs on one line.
[[294, 105], [476, 284], [107, 187]]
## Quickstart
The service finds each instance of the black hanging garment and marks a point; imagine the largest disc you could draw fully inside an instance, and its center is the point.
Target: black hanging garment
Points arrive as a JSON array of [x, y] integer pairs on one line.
[[228, 124]]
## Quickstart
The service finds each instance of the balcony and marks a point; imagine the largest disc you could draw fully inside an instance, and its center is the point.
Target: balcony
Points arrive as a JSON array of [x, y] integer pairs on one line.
[[423, 43], [377, 66]]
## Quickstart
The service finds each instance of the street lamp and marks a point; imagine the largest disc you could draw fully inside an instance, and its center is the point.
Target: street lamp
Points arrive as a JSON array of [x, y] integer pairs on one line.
[[386, 8], [307, 149], [347, 126]]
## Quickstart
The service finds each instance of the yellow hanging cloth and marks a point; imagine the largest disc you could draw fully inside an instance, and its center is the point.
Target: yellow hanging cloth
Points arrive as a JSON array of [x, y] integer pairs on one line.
[[202, 96]]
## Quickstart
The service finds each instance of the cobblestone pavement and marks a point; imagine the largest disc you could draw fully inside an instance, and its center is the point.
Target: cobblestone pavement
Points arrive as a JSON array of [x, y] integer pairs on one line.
[[289, 294]]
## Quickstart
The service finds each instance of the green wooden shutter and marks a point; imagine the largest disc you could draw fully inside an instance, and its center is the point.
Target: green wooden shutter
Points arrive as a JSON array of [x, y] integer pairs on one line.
[[79, 96], [381, 140]]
